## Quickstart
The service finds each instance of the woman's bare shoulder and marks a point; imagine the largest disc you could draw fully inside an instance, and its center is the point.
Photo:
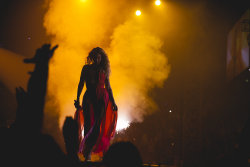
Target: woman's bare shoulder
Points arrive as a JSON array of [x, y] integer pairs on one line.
[[86, 67]]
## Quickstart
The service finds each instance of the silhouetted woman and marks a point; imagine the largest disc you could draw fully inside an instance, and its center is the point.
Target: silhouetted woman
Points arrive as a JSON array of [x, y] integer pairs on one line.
[[98, 114]]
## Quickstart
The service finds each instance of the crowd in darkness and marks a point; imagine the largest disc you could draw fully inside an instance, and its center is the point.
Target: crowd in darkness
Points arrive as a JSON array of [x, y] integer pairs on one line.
[[24, 144]]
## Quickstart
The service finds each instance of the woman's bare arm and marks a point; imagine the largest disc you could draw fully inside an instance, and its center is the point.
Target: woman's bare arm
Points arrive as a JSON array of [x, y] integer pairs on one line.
[[108, 87], [81, 83]]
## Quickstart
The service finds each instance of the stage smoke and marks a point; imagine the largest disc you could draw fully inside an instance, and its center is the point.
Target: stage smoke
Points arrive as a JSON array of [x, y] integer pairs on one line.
[[138, 66], [134, 50]]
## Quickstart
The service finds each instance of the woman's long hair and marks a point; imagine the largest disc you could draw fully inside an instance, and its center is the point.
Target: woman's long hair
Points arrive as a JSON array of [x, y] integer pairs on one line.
[[104, 64]]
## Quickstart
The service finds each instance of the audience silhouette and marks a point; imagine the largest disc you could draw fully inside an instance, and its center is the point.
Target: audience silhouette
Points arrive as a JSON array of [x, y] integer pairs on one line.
[[23, 144], [70, 134], [122, 154]]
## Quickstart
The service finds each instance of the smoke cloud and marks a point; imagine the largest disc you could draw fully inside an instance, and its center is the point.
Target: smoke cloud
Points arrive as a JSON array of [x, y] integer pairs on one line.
[[134, 50]]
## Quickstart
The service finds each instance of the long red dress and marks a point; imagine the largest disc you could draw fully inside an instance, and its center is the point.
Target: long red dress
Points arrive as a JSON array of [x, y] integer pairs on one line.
[[107, 121]]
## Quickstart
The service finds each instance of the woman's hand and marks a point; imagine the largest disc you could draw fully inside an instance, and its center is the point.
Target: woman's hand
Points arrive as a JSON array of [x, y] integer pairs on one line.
[[114, 107], [76, 103]]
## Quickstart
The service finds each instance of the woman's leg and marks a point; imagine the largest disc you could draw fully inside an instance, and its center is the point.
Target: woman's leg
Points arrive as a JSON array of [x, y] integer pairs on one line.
[[99, 111], [87, 121]]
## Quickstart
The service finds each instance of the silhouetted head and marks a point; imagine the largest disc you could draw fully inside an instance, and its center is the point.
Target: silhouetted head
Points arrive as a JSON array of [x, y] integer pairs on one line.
[[98, 57], [122, 154], [70, 134]]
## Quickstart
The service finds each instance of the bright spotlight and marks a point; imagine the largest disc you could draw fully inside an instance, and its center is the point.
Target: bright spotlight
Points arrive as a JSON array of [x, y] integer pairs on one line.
[[138, 12], [157, 2], [83, 0], [122, 124]]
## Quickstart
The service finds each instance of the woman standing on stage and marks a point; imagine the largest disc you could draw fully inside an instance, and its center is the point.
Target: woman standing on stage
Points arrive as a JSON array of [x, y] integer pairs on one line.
[[98, 114]]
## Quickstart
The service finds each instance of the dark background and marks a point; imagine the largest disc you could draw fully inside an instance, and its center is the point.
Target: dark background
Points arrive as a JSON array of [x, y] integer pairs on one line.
[[208, 111]]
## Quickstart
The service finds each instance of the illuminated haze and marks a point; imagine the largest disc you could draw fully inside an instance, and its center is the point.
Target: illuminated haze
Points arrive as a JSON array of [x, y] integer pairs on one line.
[[131, 42]]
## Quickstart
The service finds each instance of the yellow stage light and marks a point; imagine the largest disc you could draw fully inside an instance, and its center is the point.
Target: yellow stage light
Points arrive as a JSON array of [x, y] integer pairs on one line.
[[157, 2], [83, 0], [138, 12]]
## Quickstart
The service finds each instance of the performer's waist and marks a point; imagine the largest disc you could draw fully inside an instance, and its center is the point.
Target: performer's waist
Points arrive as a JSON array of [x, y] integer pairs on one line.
[[100, 86], [93, 88]]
